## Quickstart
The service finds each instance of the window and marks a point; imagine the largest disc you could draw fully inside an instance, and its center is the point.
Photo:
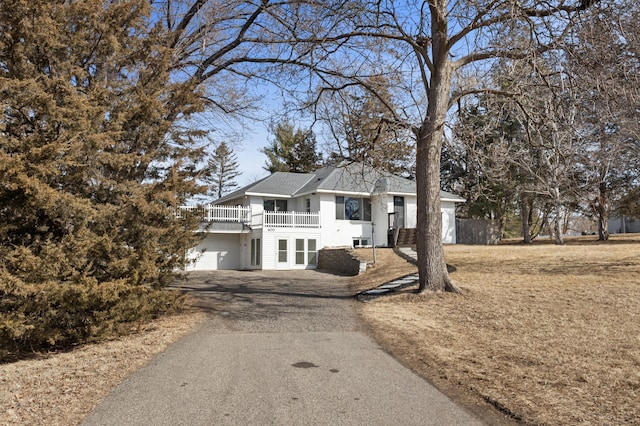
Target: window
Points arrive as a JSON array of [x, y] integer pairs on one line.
[[352, 208], [309, 255], [299, 252], [308, 205], [275, 205], [339, 207], [360, 242], [255, 251], [312, 255], [282, 251]]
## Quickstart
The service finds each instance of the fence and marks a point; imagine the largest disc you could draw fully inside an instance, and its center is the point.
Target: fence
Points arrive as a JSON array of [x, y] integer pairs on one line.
[[477, 232]]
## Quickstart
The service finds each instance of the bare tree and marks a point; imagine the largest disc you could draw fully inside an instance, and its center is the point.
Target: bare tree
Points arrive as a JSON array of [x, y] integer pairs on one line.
[[552, 136], [365, 128], [435, 45], [476, 160], [604, 60]]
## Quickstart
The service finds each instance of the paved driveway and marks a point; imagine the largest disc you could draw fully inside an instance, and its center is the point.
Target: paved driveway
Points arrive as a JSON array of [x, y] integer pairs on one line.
[[281, 348], [274, 301]]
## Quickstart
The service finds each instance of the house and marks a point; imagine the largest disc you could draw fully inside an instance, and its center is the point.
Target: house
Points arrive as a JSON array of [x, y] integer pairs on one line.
[[283, 220], [623, 225]]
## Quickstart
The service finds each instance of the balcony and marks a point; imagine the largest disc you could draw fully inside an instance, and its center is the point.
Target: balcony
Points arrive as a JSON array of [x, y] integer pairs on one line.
[[215, 214], [291, 220], [225, 214]]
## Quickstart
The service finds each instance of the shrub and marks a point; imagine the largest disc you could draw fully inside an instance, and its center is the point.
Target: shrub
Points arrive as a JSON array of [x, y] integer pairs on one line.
[[51, 315]]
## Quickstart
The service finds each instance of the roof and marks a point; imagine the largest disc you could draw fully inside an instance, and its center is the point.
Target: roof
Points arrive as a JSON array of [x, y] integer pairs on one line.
[[353, 178], [281, 183]]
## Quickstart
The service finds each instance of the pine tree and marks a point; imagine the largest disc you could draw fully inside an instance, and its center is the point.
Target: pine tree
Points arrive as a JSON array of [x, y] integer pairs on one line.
[[292, 150], [222, 170], [91, 168]]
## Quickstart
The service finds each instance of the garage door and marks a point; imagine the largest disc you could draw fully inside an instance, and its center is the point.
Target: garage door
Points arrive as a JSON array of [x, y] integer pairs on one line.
[[217, 251]]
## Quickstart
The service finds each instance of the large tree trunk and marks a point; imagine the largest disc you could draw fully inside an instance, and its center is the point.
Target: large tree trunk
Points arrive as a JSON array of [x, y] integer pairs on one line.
[[601, 210], [432, 267], [525, 216], [557, 210]]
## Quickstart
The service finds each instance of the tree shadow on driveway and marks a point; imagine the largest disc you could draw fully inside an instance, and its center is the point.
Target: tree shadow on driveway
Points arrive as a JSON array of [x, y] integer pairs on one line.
[[263, 301]]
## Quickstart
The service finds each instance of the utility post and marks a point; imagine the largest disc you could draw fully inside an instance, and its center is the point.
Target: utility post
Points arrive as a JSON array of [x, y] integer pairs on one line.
[[373, 241]]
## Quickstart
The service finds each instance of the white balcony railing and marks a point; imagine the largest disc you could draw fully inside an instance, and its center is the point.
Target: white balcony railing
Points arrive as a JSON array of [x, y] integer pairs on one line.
[[208, 213], [291, 220], [239, 214]]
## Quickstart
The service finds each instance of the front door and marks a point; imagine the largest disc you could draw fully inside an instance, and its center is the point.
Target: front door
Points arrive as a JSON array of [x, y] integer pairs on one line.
[[398, 209]]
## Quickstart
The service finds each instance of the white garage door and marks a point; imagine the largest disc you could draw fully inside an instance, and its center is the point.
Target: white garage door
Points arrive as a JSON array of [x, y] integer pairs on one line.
[[217, 251]]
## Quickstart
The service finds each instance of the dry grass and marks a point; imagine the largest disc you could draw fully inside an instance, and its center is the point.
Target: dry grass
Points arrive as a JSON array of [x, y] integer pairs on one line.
[[548, 334], [62, 388], [388, 266]]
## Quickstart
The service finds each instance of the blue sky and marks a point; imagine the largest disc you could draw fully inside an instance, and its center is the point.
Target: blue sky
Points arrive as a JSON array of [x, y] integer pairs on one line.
[[250, 159]]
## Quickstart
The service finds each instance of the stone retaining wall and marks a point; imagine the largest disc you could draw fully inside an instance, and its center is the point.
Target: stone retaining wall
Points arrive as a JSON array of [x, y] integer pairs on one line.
[[341, 259]]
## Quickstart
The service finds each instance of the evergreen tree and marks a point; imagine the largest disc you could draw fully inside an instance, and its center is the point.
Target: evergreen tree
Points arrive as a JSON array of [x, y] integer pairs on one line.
[[473, 163], [292, 150], [92, 169], [222, 170]]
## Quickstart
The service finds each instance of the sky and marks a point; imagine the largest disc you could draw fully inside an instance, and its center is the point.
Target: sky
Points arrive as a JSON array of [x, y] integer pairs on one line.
[[250, 159], [247, 138]]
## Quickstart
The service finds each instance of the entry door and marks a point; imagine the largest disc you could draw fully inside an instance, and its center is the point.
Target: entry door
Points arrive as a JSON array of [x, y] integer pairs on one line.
[[282, 255], [398, 209]]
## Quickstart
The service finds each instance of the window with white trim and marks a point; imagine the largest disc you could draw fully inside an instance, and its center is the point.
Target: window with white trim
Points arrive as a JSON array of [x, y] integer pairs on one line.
[[299, 252], [255, 252], [275, 205], [353, 208], [282, 251], [360, 242], [312, 253]]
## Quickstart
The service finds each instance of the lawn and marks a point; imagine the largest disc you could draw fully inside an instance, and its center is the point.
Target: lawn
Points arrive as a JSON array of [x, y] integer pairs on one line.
[[545, 334], [62, 388]]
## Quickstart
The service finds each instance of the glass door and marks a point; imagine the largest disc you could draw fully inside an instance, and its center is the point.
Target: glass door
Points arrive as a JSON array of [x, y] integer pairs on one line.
[[283, 254], [398, 209]]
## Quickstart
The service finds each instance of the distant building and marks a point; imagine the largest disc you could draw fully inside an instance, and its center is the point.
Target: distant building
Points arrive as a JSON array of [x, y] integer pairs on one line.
[[623, 225]]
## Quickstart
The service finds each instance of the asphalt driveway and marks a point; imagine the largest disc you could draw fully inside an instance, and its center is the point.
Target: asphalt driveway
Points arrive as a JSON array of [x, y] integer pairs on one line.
[[280, 348]]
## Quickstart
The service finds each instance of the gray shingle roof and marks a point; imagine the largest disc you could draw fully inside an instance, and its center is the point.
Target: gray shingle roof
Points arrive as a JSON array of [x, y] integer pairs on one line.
[[281, 183], [352, 178]]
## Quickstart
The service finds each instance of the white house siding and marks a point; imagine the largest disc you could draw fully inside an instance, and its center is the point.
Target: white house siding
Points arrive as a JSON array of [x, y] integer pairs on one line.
[[217, 251], [343, 232], [270, 238], [379, 216], [410, 211], [257, 208], [448, 209], [338, 233]]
